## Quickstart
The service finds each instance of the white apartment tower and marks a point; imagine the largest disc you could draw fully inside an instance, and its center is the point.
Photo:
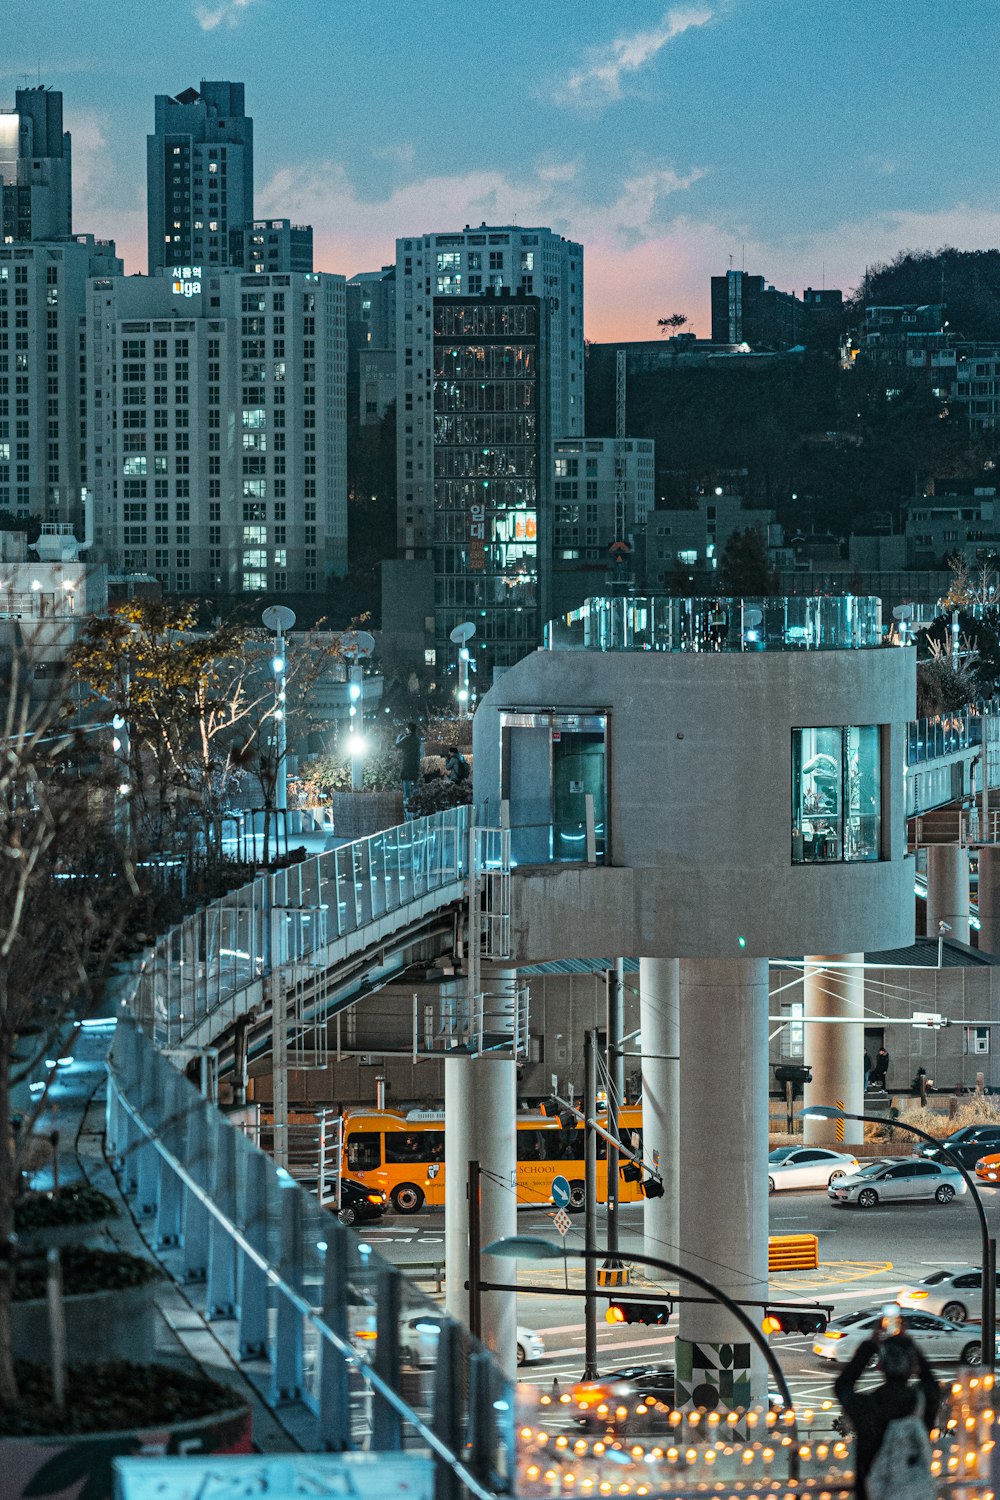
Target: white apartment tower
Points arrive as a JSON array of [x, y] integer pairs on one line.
[[216, 428], [42, 301], [489, 368]]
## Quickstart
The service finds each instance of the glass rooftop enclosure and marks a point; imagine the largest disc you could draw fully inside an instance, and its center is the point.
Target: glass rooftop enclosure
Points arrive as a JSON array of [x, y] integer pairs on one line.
[[660, 622]]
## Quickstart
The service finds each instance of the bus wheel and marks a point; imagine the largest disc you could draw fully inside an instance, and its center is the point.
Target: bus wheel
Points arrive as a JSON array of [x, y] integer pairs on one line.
[[577, 1197], [407, 1198]]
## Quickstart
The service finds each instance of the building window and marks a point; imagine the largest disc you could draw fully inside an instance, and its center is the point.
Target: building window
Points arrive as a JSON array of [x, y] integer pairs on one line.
[[836, 794]]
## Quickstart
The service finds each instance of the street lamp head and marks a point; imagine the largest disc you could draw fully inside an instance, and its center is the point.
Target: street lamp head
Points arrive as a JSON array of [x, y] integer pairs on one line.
[[524, 1247], [822, 1112]]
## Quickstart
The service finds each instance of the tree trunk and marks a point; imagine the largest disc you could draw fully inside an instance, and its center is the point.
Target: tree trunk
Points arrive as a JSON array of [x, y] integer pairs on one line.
[[8, 1192]]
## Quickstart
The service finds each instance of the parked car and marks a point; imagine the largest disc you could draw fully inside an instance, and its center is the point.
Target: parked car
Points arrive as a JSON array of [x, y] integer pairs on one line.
[[955, 1294], [359, 1202], [807, 1166], [938, 1338], [883, 1180], [988, 1167], [420, 1336], [967, 1144]]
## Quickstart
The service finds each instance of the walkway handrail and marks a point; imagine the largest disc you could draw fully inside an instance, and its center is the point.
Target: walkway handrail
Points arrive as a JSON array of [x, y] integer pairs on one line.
[[297, 913], [259, 1240]]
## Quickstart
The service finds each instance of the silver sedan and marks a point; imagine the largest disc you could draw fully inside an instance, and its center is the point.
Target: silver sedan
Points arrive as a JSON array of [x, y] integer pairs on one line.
[[885, 1180]]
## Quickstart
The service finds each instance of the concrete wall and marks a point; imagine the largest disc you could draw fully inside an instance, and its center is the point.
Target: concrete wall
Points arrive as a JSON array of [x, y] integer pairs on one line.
[[699, 805]]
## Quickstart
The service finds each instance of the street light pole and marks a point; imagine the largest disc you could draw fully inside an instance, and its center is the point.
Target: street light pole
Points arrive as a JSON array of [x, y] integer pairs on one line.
[[533, 1247], [988, 1245]]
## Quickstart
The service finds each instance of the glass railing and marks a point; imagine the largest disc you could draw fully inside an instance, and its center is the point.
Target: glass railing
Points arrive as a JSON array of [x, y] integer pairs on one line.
[[927, 739], [380, 1365], [202, 964], [660, 622]]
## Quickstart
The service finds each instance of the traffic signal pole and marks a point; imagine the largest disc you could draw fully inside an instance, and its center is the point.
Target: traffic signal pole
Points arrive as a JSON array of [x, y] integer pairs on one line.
[[616, 1093], [590, 1203]]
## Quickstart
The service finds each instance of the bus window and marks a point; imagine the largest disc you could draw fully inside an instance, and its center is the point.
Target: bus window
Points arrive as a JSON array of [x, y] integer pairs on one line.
[[419, 1146], [527, 1145], [364, 1151]]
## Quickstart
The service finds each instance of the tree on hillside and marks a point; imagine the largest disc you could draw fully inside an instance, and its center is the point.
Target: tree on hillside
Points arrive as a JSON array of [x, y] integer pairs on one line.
[[744, 568], [966, 281], [672, 324]]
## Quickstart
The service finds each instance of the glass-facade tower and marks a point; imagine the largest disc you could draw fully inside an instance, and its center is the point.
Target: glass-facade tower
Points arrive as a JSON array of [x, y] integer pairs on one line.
[[491, 433]]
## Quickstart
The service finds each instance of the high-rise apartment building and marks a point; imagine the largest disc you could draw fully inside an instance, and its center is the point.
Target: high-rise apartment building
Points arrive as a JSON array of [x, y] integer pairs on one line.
[[217, 429], [587, 472], [199, 175], [489, 368], [43, 289], [269, 245], [371, 344], [35, 168]]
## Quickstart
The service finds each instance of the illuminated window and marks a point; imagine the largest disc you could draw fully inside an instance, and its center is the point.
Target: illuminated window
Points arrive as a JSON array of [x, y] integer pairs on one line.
[[836, 794]]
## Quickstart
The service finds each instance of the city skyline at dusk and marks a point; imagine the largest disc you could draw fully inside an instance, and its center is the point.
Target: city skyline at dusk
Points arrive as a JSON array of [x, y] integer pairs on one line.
[[799, 142]]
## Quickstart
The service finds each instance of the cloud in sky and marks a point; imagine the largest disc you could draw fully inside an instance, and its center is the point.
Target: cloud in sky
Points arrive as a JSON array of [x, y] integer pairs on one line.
[[599, 81], [224, 12]]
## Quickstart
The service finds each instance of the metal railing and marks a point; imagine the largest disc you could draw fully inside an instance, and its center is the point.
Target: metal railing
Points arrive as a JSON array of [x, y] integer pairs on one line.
[[380, 1366], [659, 622], [310, 913]]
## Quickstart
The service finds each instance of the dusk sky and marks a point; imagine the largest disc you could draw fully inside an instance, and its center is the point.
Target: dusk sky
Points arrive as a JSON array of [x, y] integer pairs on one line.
[[801, 139]]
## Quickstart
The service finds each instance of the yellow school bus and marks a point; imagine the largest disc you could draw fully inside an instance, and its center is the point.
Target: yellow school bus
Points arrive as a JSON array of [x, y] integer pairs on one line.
[[403, 1154]]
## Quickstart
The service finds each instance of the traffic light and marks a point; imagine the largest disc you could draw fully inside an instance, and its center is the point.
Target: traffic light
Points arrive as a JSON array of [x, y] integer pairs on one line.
[[631, 1172], [796, 1319], [653, 1187], [639, 1312]]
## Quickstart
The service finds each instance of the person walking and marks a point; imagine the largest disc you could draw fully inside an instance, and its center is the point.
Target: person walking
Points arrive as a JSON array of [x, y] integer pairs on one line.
[[892, 1452], [880, 1069], [408, 745], [867, 1068]]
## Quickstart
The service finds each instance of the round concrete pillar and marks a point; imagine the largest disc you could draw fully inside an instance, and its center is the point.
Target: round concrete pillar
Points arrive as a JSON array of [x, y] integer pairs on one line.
[[723, 1185], [496, 1128], [948, 890], [659, 1024], [989, 898], [834, 987], [459, 1150], [481, 1125]]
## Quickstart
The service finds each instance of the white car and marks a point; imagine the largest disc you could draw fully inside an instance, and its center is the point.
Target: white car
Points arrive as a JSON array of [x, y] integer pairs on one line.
[[912, 1178], [955, 1294], [806, 1167], [420, 1335], [939, 1339]]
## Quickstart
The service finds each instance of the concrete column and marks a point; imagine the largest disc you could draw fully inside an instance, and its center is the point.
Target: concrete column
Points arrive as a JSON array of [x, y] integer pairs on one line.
[[496, 1126], [723, 1186], [835, 1053], [948, 890], [659, 1023], [459, 1150], [481, 1125], [989, 898]]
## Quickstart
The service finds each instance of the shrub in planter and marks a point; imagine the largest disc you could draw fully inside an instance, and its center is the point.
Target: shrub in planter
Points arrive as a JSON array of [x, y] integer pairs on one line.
[[112, 1411], [76, 1203], [109, 1301], [436, 795]]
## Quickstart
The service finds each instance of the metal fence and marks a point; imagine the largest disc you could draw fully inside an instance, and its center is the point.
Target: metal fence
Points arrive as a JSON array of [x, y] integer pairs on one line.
[[205, 965], [379, 1365]]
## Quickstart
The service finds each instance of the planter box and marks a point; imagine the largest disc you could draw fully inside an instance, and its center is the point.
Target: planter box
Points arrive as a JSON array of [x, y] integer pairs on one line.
[[357, 814], [63, 1466], [61, 1236], [100, 1326]]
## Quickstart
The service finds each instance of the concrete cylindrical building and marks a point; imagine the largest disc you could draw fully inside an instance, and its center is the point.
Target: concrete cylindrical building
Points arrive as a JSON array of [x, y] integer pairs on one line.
[[717, 805], [659, 1029]]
